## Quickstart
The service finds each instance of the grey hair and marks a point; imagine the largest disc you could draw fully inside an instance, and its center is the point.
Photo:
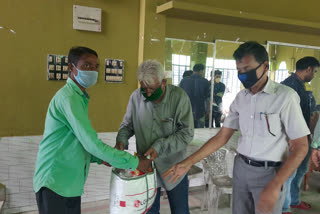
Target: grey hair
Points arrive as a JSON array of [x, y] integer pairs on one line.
[[148, 70]]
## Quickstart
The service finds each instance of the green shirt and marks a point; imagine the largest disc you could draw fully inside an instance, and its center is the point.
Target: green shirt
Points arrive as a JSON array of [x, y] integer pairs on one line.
[[166, 126], [70, 144]]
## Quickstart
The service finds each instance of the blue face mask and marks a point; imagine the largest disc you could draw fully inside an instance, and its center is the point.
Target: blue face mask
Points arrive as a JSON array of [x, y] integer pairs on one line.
[[249, 78], [86, 78]]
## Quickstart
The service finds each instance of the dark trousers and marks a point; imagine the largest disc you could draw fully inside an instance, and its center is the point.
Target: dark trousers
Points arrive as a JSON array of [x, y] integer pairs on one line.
[[178, 199], [216, 117], [198, 123], [50, 202]]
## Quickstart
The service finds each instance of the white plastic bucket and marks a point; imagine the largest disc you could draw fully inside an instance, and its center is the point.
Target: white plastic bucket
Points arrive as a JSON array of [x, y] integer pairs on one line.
[[132, 195]]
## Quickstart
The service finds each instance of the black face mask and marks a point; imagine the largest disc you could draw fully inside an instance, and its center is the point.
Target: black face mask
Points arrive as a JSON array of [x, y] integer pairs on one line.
[[249, 78]]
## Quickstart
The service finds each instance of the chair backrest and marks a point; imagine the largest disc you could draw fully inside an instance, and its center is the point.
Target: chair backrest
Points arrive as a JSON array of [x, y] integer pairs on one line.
[[219, 163]]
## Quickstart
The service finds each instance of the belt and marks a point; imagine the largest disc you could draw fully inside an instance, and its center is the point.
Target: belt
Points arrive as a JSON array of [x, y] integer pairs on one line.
[[259, 163]]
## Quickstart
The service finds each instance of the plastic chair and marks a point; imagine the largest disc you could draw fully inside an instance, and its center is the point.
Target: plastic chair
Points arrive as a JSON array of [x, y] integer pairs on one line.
[[217, 169]]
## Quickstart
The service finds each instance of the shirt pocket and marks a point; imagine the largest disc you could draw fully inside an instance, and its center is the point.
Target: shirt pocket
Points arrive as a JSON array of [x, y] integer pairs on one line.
[[167, 126], [268, 124]]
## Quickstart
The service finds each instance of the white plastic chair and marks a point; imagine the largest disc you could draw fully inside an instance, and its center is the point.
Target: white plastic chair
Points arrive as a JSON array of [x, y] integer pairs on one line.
[[217, 169]]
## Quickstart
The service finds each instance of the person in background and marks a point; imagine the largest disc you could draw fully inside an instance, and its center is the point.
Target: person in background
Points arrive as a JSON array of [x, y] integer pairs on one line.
[[160, 117], [269, 117], [187, 73], [198, 90], [218, 92], [70, 143], [306, 67]]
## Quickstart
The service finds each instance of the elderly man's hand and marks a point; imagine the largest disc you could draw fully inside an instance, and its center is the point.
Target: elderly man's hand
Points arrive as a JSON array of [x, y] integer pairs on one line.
[[315, 157], [153, 154], [144, 164], [178, 170], [119, 146], [268, 199]]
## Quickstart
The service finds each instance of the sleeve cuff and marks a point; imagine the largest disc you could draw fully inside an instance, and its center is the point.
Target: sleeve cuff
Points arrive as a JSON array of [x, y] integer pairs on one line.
[[135, 162], [95, 160], [157, 146], [123, 140], [231, 124]]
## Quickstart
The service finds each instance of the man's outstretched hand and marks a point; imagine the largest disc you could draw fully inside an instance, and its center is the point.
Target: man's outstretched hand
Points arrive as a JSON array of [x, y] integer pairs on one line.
[[178, 170]]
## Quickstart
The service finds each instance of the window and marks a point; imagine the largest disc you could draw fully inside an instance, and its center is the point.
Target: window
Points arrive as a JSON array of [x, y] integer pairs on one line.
[[180, 63], [282, 73], [209, 67], [229, 74], [230, 79]]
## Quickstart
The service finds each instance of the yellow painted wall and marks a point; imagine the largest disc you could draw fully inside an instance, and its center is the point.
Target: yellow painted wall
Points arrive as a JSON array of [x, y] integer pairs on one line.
[[45, 27], [300, 10], [209, 32], [315, 83], [225, 50], [181, 47]]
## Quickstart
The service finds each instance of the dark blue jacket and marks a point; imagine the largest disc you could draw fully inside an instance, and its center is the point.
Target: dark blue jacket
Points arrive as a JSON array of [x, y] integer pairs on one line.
[[198, 90], [305, 99]]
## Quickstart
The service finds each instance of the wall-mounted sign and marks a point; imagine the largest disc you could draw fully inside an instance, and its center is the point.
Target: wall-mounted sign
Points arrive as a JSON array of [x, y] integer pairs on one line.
[[57, 67], [114, 70], [86, 18]]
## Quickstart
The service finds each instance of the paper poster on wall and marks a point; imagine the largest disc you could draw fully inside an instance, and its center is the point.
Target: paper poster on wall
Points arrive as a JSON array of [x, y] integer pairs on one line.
[[168, 74], [57, 67], [114, 70]]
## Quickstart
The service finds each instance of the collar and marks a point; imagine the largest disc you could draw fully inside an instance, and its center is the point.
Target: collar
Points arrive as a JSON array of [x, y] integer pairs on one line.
[[76, 88], [195, 76], [269, 88], [294, 76], [166, 95]]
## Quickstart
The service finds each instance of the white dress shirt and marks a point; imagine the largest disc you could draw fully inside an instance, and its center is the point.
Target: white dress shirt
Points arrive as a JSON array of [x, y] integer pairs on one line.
[[267, 121]]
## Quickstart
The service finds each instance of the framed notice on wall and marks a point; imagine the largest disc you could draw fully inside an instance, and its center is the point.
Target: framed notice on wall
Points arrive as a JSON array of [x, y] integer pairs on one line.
[[57, 67], [114, 69], [86, 18]]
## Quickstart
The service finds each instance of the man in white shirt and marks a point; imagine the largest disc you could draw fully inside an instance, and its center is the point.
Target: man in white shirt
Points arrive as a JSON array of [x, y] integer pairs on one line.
[[269, 117]]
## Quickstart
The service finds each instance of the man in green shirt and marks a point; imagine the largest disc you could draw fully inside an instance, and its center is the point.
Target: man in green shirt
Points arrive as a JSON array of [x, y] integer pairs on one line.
[[70, 143], [160, 117]]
